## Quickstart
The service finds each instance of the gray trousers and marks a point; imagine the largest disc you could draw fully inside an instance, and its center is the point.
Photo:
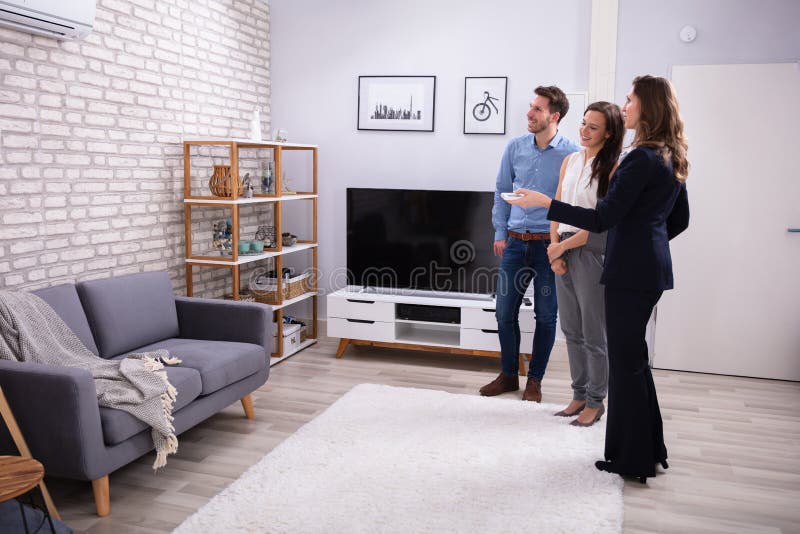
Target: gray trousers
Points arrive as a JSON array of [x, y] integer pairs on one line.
[[581, 305]]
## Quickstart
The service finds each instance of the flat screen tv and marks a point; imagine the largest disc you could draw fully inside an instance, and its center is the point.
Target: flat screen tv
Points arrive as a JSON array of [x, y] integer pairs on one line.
[[421, 240]]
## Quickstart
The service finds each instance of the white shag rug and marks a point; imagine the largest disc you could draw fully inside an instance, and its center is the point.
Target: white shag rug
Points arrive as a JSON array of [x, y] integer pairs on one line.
[[384, 459]]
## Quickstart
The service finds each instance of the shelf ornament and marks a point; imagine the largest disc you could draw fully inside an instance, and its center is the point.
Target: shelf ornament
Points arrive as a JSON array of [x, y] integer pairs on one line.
[[221, 182]]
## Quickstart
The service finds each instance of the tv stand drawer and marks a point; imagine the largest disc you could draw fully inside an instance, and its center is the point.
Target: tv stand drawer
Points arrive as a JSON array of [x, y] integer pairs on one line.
[[485, 319], [526, 320], [487, 339], [360, 308], [480, 318], [480, 339], [368, 330]]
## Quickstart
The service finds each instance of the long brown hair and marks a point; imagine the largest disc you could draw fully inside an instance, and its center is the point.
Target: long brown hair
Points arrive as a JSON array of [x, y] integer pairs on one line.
[[660, 124], [605, 160]]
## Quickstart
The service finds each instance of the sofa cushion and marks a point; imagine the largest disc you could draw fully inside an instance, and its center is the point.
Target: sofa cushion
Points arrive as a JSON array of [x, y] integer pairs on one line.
[[64, 300], [220, 363], [126, 312], [119, 425]]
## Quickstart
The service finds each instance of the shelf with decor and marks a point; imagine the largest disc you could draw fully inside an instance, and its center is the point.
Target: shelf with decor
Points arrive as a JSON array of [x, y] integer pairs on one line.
[[217, 176], [248, 258]]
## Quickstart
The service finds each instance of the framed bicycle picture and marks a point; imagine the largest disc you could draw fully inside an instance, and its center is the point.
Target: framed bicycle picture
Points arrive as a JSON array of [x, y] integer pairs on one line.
[[396, 103], [485, 105]]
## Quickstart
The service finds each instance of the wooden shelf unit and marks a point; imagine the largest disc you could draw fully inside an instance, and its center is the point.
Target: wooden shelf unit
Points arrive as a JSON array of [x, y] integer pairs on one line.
[[233, 203]]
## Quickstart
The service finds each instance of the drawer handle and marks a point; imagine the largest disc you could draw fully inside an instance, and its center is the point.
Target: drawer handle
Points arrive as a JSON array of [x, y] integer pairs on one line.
[[360, 321], [361, 301], [488, 331], [489, 310]]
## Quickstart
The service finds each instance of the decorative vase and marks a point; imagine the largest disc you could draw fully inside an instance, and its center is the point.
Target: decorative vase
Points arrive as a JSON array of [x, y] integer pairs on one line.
[[221, 182]]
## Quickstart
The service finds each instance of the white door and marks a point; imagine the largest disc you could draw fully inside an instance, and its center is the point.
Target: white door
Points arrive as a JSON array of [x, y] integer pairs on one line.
[[735, 309]]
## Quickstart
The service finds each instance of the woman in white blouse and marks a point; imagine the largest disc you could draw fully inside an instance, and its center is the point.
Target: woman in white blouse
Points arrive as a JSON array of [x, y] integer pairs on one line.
[[577, 257]]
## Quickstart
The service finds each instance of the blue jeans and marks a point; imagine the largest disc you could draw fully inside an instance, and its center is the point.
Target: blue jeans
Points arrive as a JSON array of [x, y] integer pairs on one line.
[[522, 262]]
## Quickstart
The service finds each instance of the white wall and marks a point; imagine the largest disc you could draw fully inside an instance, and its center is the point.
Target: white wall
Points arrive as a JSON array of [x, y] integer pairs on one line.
[[319, 49], [728, 31]]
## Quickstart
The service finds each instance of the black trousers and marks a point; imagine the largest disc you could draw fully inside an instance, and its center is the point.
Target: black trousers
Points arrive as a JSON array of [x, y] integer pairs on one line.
[[634, 431]]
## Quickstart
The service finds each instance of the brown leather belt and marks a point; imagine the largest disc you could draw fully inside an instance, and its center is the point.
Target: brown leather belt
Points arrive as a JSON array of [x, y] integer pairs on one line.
[[529, 236]]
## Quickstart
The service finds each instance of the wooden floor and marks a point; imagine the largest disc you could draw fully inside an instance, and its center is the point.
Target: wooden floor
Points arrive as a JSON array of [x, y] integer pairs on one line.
[[734, 444]]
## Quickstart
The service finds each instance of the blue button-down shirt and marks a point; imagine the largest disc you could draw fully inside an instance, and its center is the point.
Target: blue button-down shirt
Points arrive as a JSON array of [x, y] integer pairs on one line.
[[525, 165]]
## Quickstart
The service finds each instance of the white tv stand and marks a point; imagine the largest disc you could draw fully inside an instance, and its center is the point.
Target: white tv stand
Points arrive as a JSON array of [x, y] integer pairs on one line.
[[453, 323]]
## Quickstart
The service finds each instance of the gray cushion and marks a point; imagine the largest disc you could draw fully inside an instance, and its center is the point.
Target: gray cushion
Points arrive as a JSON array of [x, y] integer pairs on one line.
[[126, 312], [119, 425], [64, 300], [220, 363]]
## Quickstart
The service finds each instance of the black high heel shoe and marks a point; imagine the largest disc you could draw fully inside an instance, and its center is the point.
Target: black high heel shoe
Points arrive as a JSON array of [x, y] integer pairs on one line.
[[608, 468], [664, 463], [603, 465]]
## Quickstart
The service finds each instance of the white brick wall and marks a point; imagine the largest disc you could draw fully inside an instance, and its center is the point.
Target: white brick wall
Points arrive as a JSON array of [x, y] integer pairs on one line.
[[91, 167]]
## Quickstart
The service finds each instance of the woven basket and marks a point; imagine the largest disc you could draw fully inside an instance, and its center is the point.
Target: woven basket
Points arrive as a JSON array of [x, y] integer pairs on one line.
[[221, 182], [267, 292], [244, 296]]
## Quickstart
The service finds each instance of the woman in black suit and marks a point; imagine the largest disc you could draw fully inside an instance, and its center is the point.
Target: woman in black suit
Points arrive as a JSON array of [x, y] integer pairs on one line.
[[645, 207]]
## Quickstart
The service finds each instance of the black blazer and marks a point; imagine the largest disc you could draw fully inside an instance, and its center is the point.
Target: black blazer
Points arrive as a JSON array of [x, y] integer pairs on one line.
[[645, 207]]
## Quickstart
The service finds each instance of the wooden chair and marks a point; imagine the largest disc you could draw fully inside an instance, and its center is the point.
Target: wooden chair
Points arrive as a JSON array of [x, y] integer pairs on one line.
[[19, 441]]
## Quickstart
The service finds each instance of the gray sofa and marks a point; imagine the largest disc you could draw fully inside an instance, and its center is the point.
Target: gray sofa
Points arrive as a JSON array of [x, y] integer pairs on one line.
[[224, 347]]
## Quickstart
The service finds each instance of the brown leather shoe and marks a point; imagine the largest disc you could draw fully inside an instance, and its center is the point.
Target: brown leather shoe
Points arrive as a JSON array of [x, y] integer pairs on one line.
[[533, 390], [502, 384]]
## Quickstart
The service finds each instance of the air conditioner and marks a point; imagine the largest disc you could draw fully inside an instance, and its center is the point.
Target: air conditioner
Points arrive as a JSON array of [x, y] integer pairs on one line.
[[60, 19]]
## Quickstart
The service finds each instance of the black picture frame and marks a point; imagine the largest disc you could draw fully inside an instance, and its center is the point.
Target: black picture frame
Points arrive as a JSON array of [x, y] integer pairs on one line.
[[396, 103], [485, 104]]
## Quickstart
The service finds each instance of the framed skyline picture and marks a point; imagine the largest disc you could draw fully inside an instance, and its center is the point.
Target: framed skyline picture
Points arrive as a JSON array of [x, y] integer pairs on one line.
[[396, 103], [485, 105]]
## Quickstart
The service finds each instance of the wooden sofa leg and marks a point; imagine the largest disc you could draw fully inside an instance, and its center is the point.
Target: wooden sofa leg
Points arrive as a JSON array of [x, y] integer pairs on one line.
[[247, 404], [102, 498]]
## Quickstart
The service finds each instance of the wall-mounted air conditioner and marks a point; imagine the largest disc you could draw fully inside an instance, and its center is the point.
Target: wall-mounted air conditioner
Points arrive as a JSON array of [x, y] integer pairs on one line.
[[60, 19]]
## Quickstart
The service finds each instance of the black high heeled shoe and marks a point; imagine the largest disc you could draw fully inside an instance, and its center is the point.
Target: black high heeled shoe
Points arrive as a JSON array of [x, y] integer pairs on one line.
[[664, 463], [602, 465]]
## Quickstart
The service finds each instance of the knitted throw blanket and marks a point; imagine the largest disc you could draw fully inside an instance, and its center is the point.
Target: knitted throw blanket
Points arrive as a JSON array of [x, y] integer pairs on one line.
[[31, 331]]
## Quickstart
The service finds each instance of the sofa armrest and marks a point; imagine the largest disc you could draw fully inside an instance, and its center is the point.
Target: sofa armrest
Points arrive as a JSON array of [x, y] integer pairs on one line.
[[57, 412], [225, 320]]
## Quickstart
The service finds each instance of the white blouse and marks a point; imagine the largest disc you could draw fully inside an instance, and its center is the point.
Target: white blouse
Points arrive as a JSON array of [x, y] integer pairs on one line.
[[576, 189]]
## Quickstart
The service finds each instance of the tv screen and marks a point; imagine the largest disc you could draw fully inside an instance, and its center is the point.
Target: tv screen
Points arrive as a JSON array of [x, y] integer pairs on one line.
[[420, 239]]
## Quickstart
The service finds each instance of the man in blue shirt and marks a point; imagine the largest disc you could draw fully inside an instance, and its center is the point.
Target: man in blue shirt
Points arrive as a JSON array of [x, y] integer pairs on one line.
[[521, 236]]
